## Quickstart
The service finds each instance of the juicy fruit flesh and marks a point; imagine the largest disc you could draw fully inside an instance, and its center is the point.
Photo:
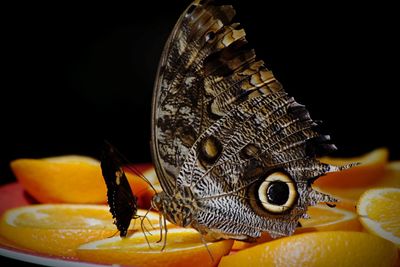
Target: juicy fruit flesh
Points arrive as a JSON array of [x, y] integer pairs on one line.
[[336, 248], [184, 247], [379, 212], [175, 241], [321, 215], [64, 218], [385, 209]]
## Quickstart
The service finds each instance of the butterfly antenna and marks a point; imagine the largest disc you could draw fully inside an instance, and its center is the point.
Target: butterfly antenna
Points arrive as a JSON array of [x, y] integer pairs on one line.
[[138, 173]]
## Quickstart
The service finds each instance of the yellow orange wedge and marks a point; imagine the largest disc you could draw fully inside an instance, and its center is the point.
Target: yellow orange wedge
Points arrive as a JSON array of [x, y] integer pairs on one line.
[[332, 248], [349, 195], [184, 247], [57, 229], [66, 179], [322, 218], [379, 211], [369, 172]]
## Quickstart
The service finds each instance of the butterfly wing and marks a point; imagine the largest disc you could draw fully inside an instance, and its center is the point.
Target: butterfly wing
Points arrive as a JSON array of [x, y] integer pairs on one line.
[[123, 204], [224, 127], [204, 71]]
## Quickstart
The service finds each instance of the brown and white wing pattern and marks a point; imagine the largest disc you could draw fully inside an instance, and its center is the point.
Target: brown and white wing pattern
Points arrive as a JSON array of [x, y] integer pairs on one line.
[[224, 128]]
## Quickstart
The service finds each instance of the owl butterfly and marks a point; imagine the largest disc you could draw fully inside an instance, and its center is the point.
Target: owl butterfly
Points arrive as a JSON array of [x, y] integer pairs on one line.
[[234, 154]]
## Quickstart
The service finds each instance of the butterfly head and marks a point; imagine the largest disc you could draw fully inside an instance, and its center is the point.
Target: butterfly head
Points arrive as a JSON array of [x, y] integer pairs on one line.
[[177, 208]]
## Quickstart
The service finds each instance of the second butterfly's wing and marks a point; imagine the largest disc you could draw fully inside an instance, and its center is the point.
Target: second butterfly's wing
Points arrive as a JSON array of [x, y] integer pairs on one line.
[[205, 70], [122, 202]]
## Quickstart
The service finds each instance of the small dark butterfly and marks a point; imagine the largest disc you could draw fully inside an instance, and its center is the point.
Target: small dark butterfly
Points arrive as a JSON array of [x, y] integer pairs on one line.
[[123, 204]]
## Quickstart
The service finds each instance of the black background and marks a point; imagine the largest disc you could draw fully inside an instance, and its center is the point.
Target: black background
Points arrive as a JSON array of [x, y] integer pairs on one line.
[[76, 75]]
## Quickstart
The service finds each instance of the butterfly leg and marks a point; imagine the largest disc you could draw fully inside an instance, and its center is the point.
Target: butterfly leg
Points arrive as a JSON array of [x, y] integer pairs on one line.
[[161, 228], [143, 226], [205, 244], [166, 230]]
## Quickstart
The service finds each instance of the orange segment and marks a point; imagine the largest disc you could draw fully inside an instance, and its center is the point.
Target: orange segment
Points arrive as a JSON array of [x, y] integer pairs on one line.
[[348, 196], [322, 218], [57, 229], [371, 169], [67, 179], [184, 248], [333, 248], [379, 211]]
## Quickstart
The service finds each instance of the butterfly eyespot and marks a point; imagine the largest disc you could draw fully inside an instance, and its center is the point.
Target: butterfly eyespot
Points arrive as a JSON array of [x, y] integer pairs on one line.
[[277, 193], [210, 150]]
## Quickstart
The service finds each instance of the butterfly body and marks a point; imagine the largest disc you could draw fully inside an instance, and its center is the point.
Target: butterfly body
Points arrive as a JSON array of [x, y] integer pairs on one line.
[[178, 208]]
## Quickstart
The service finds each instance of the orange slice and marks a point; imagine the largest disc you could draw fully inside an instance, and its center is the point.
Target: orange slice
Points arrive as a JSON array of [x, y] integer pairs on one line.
[[184, 248], [66, 179], [57, 229], [379, 211], [371, 169], [332, 248], [348, 196], [322, 218]]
